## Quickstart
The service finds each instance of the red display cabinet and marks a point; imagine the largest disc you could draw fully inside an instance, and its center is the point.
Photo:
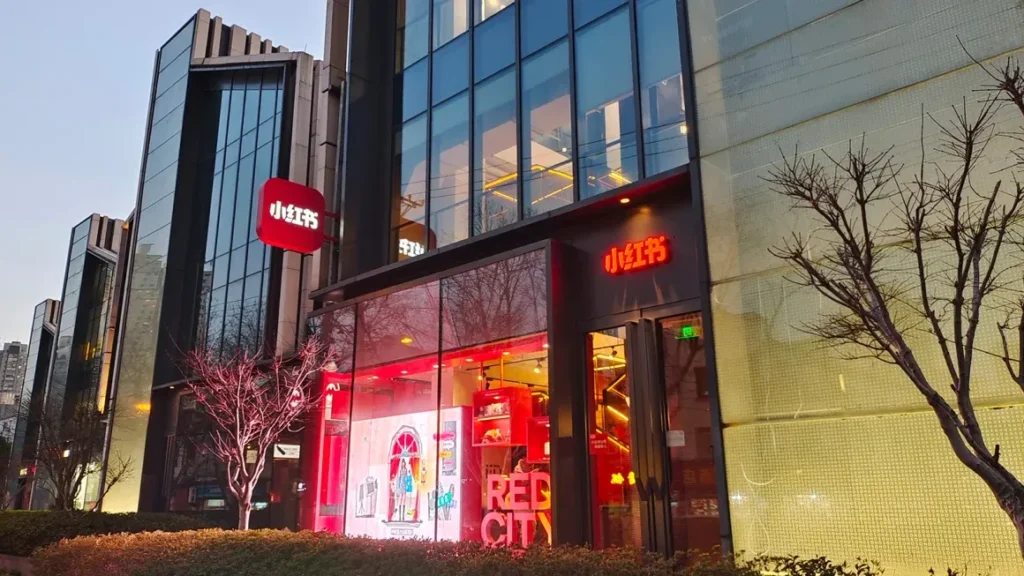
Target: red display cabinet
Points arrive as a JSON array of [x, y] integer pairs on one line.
[[500, 416], [538, 440]]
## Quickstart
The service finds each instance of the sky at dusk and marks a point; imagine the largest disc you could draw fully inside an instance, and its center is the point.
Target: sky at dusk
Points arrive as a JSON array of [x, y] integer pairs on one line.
[[73, 102]]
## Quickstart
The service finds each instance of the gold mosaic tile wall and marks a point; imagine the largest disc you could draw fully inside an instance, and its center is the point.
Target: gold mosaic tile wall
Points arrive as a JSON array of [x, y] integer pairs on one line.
[[825, 455]]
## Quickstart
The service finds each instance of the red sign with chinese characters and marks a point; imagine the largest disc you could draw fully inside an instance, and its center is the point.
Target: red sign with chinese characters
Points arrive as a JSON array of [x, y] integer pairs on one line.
[[290, 216], [652, 251]]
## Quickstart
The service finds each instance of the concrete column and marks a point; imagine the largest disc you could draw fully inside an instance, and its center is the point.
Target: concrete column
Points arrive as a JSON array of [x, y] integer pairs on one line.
[[200, 45], [253, 45], [236, 41]]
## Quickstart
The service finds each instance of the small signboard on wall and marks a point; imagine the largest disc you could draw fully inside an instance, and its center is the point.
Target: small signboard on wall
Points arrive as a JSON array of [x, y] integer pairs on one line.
[[286, 451]]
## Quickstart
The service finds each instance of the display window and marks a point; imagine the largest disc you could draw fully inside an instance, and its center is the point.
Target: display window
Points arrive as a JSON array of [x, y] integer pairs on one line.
[[326, 442], [448, 403]]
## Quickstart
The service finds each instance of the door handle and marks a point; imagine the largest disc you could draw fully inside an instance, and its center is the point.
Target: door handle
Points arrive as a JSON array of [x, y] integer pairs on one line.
[[652, 488]]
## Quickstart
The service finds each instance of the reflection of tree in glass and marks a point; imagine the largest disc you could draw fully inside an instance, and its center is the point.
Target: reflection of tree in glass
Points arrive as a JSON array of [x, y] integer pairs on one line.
[[500, 300], [398, 325]]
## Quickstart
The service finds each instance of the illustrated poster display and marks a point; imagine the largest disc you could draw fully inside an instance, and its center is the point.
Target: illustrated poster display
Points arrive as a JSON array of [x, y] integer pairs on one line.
[[393, 475]]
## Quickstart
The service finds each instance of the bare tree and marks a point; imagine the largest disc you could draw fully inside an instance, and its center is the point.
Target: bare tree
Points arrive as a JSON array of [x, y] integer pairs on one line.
[[928, 253], [250, 399], [68, 454]]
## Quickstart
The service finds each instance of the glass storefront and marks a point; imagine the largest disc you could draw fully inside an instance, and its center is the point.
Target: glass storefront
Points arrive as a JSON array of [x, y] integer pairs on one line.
[[436, 421], [437, 428]]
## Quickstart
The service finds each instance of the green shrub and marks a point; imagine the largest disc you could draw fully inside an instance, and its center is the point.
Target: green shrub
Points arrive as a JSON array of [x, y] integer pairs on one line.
[[272, 553], [22, 532]]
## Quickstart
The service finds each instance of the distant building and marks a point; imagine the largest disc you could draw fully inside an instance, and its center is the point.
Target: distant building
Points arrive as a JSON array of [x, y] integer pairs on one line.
[[80, 367], [37, 363]]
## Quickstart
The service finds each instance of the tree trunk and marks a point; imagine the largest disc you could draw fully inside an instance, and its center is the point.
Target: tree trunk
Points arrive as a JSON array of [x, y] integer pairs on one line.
[[244, 509]]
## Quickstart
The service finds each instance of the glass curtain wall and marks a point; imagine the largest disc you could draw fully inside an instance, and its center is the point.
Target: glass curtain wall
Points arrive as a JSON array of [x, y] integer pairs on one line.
[[534, 104], [236, 272], [62, 356], [36, 365], [149, 266], [449, 436]]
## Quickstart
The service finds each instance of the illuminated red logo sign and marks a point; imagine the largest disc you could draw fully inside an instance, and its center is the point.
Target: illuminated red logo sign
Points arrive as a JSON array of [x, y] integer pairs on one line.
[[290, 216], [637, 255]]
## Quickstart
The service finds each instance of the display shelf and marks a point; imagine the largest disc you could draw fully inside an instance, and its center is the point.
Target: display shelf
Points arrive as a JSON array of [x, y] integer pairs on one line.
[[500, 417], [488, 418]]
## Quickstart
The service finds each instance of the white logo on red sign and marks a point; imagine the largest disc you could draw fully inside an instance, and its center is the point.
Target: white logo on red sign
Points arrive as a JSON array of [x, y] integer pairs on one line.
[[293, 214]]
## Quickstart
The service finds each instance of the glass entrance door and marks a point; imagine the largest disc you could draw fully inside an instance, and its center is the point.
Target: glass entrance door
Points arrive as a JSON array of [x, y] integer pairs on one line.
[[615, 501], [692, 496], [652, 469]]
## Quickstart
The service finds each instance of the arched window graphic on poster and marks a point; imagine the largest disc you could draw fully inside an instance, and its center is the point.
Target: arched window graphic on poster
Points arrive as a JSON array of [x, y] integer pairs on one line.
[[404, 481]]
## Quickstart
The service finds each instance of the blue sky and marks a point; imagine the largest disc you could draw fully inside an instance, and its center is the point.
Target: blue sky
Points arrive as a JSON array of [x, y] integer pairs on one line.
[[73, 103]]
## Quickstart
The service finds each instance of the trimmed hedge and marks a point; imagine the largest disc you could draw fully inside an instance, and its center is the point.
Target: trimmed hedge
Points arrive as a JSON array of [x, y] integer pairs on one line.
[[273, 553], [22, 532]]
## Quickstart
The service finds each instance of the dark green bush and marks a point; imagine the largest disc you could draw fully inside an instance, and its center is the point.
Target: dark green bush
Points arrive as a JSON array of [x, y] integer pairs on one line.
[[272, 553], [22, 532]]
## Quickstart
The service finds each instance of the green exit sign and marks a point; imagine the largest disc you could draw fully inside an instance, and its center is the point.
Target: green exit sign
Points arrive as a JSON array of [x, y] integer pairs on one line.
[[688, 332]]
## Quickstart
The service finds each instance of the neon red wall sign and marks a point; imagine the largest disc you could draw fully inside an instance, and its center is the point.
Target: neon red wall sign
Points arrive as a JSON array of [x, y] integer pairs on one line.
[[517, 503], [646, 253], [290, 216]]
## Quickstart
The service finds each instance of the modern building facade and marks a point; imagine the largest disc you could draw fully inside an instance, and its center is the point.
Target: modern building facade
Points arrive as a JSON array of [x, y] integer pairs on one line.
[[548, 275], [45, 319], [508, 174], [228, 110], [518, 283]]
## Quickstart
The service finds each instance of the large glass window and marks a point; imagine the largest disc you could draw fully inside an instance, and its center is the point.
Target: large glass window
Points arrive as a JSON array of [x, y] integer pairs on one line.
[[661, 86], [240, 234], [250, 111], [451, 70], [547, 131], [495, 156], [330, 433], [409, 214], [494, 45], [451, 18], [526, 173], [449, 420], [449, 171], [412, 32], [393, 458], [495, 458], [411, 90], [541, 23], [605, 109]]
